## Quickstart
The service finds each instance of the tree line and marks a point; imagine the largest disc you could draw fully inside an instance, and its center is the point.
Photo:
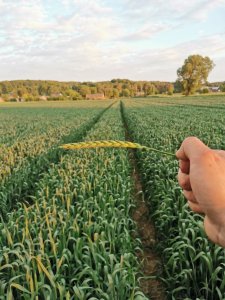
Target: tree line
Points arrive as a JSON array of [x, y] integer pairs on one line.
[[192, 77], [34, 90]]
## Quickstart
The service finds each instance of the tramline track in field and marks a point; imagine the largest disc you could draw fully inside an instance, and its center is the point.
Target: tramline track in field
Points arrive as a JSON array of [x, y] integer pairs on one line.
[[151, 264], [75, 241], [193, 267], [20, 186]]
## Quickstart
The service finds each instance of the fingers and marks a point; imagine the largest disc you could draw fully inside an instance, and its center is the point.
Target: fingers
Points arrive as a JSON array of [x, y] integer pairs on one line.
[[184, 166], [190, 196], [184, 181], [195, 207], [190, 148], [189, 154]]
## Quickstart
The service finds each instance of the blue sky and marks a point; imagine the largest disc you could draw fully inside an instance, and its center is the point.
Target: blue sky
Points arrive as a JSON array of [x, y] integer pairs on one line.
[[92, 40]]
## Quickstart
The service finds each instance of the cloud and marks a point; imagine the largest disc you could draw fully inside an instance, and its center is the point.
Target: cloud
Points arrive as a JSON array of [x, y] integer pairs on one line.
[[101, 39], [83, 62], [23, 15], [179, 11], [147, 18], [201, 11], [162, 64], [145, 32], [28, 30]]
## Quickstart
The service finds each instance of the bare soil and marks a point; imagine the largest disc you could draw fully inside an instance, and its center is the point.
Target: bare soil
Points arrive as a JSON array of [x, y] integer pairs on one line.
[[151, 264]]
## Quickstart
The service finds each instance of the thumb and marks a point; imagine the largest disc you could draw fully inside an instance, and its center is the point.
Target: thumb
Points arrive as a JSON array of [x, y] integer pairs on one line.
[[191, 148]]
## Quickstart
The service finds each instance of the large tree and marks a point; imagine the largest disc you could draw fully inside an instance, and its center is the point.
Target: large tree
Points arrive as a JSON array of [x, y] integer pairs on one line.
[[194, 73]]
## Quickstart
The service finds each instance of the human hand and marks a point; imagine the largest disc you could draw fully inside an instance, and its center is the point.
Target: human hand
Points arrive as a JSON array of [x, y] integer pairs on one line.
[[202, 178]]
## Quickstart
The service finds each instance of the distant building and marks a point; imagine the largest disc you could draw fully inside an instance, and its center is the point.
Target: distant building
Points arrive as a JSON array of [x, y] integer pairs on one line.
[[43, 98], [56, 95], [95, 96], [20, 99], [214, 89], [12, 97], [210, 89], [140, 94]]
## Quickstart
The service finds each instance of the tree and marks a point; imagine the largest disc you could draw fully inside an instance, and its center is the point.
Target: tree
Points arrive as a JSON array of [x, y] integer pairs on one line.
[[194, 72], [205, 90], [93, 90], [74, 95], [84, 90], [42, 89], [115, 93], [170, 89], [151, 90], [177, 86], [125, 93], [21, 92], [222, 87]]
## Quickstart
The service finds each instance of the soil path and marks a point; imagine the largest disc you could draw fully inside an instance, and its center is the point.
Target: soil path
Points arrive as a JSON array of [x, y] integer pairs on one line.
[[151, 264]]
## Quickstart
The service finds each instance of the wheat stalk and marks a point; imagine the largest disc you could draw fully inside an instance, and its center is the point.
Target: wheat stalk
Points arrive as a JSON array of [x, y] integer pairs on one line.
[[110, 144]]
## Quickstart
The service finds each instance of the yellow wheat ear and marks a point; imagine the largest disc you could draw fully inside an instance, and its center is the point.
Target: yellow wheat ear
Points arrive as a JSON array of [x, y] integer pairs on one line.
[[110, 144]]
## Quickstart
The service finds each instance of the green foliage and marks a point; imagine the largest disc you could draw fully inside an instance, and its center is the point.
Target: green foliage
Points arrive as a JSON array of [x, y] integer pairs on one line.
[[27, 144], [115, 93], [125, 93], [177, 87], [222, 87], [193, 266], [194, 73], [170, 89], [73, 239], [205, 91], [84, 90], [67, 231], [31, 90], [150, 89]]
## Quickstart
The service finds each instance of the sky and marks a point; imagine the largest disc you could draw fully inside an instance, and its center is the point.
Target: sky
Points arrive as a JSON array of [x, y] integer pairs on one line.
[[97, 40]]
